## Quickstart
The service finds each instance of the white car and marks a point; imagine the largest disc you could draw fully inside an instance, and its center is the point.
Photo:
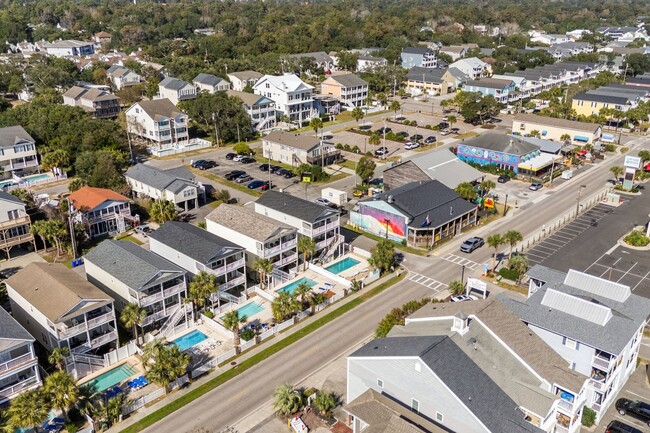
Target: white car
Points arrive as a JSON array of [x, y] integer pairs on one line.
[[461, 298], [238, 158], [411, 145], [323, 202]]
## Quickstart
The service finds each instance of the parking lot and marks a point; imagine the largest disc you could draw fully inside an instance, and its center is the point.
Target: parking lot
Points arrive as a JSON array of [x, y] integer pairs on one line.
[[636, 388], [625, 266]]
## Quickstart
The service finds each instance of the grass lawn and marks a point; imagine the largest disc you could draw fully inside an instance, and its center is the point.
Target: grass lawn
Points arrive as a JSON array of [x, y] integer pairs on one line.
[[257, 358], [131, 239], [332, 178], [263, 160], [221, 180], [348, 163], [466, 135]]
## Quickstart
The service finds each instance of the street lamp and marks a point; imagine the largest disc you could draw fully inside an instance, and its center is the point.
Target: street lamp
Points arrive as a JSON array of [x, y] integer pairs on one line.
[[578, 199], [386, 221], [462, 275]]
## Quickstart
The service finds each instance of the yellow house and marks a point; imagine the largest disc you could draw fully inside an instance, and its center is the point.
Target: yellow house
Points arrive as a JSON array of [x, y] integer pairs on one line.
[[586, 104], [348, 88]]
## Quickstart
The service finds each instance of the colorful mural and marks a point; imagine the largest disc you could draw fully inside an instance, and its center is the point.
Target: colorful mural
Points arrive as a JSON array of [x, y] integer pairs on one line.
[[377, 221]]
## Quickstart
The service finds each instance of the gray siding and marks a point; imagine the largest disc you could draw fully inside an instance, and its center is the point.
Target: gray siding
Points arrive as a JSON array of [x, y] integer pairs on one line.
[[402, 174], [403, 382], [173, 256], [581, 356]]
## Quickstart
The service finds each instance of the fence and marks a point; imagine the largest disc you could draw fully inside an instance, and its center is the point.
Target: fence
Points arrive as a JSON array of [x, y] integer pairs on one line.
[[217, 326], [202, 369], [248, 344], [193, 144], [179, 382], [26, 183], [226, 356], [120, 353], [266, 334], [284, 325], [142, 401], [264, 294]]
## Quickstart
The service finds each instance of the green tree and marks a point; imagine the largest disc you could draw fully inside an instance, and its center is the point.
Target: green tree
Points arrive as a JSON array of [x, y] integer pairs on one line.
[[232, 320], [242, 149], [164, 362], [487, 186], [358, 114], [57, 357], [132, 316], [324, 402], [316, 124], [162, 211], [365, 168], [636, 64], [306, 247], [643, 154], [286, 399], [394, 107], [456, 287], [451, 120], [102, 169], [512, 238], [534, 133], [28, 410], [382, 98], [56, 158], [302, 291], [565, 137], [375, 138], [264, 267], [617, 171], [382, 255], [284, 305], [495, 241], [519, 264], [466, 190], [62, 391], [202, 287], [316, 299]]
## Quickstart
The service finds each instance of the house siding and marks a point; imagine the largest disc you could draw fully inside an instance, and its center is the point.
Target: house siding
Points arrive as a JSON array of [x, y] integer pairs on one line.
[[179, 259]]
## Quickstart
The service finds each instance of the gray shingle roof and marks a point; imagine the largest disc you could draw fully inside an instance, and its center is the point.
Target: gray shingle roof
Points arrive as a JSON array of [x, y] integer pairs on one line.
[[10, 329], [318, 56], [298, 141], [421, 199], [501, 143], [348, 80], [417, 50], [611, 337], [246, 75], [127, 262], [11, 135], [246, 221], [605, 99], [160, 179], [208, 80], [194, 242], [173, 83], [295, 206], [430, 75], [249, 99], [160, 108], [8, 197], [490, 83], [475, 390]]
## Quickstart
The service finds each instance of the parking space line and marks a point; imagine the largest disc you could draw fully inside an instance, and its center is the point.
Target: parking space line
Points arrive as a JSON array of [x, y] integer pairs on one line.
[[559, 235], [556, 242], [641, 280], [551, 249], [538, 256], [626, 272], [574, 232]]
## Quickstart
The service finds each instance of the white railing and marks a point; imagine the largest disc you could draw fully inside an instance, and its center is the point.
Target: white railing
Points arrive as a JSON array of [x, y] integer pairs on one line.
[[303, 314], [179, 382], [142, 401], [251, 289], [192, 144], [83, 326], [284, 325], [561, 429], [266, 334], [173, 320], [155, 317], [286, 260], [217, 326], [235, 265], [170, 291], [121, 353], [17, 362], [324, 228], [235, 282], [267, 252], [568, 406], [99, 320], [14, 389], [202, 369], [603, 363], [226, 356], [103, 339], [19, 165], [248, 344], [264, 294]]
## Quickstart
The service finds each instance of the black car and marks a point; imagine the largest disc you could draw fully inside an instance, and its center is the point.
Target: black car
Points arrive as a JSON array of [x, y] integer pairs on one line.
[[287, 174], [274, 168], [503, 178], [619, 427], [636, 409], [386, 130], [234, 174], [230, 156], [443, 125], [265, 167], [247, 160], [280, 171], [403, 134], [198, 162], [416, 137], [206, 165], [430, 139]]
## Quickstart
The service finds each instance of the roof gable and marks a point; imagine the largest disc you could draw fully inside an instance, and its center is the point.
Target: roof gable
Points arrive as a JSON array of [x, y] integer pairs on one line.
[[295, 206], [12, 135], [88, 198]]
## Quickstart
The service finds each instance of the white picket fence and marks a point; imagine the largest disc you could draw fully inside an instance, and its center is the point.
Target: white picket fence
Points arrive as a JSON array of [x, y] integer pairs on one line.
[[217, 326], [202, 369], [179, 382], [142, 401], [264, 294], [121, 353], [248, 344], [302, 315], [226, 356], [266, 334]]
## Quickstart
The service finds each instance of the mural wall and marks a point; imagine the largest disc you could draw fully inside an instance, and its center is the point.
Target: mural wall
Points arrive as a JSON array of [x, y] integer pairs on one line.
[[376, 221], [484, 157]]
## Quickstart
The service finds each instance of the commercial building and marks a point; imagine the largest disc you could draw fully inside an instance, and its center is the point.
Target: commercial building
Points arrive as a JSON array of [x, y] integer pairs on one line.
[[557, 129]]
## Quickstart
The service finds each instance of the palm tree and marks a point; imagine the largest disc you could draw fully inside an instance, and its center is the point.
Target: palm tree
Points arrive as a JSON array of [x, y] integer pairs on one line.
[[284, 305], [534, 133], [512, 237], [286, 399], [316, 124], [495, 241], [201, 288], [151, 351], [487, 186], [316, 299], [324, 402], [132, 316], [358, 114], [617, 171], [466, 190], [162, 211], [306, 247], [643, 154], [301, 291], [375, 138], [518, 263], [232, 320], [62, 391], [565, 138], [28, 410], [264, 267], [394, 107], [456, 287], [452, 120], [382, 98], [114, 408], [58, 356], [39, 228], [169, 363]]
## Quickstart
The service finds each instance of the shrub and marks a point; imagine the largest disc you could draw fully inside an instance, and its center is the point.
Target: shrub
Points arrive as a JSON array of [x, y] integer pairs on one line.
[[637, 238], [414, 123], [397, 315], [428, 127], [588, 417], [510, 274], [247, 334], [209, 314], [221, 195], [610, 148], [71, 428], [242, 149]]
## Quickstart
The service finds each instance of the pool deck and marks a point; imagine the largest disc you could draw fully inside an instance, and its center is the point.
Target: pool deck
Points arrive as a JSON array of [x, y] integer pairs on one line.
[[263, 316], [133, 361], [218, 343], [358, 271]]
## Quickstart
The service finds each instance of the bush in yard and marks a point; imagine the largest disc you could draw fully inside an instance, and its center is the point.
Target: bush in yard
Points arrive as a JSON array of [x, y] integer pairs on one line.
[[510, 274], [247, 334], [242, 149], [637, 238], [396, 316], [588, 417], [221, 195], [209, 314], [610, 148]]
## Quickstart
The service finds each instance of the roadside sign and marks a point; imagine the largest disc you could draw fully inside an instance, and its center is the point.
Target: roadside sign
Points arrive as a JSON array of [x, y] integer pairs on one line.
[[306, 177], [489, 202], [632, 162]]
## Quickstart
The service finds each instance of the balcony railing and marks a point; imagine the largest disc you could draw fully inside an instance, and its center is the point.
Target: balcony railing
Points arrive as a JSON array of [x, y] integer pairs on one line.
[[603, 363], [84, 326], [235, 265], [146, 300], [17, 362], [284, 261], [15, 222], [156, 316], [109, 216], [322, 229], [233, 283], [268, 252], [103, 339], [566, 405], [19, 165], [20, 386]]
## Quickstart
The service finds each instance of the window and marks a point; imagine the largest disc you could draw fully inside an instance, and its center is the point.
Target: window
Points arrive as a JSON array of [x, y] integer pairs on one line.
[[380, 383], [439, 417], [415, 405], [571, 344]]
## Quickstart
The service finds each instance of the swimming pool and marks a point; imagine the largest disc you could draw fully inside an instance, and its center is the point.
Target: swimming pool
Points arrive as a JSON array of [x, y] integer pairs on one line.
[[342, 265], [7, 183], [111, 377], [190, 339], [36, 177], [291, 287], [248, 310]]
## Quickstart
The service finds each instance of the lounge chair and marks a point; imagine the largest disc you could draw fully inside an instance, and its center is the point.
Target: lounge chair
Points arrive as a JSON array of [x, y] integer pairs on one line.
[[117, 390], [59, 421], [322, 289]]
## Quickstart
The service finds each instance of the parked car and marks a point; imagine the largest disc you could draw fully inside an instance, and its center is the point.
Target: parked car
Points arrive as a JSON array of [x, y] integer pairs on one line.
[[403, 134], [411, 145], [247, 160], [416, 137], [234, 174], [636, 409], [445, 132], [267, 186], [443, 125], [384, 130], [445, 118], [255, 184], [230, 156], [381, 151], [197, 162], [265, 167], [619, 427], [323, 201], [430, 139], [206, 165], [288, 174], [244, 178], [503, 178], [471, 244], [535, 186], [238, 158], [274, 168], [461, 298], [143, 229], [357, 193], [454, 130]]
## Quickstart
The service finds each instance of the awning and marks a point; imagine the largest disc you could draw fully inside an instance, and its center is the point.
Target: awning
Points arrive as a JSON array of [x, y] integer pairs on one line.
[[581, 138], [539, 162]]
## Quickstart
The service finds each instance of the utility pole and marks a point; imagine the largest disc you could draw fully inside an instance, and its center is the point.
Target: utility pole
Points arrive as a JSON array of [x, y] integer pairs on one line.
[[71, 224], [238, 137], [552, 169], [578, 199], [216, 130]]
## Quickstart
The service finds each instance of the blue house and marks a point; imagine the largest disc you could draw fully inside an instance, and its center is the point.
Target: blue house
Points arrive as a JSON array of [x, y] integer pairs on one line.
[[502, 90], [418, 56], [505, 151]]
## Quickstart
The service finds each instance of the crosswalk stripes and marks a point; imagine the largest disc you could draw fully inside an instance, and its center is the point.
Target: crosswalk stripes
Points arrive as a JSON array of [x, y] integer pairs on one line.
[[425, 281], [460, 261]]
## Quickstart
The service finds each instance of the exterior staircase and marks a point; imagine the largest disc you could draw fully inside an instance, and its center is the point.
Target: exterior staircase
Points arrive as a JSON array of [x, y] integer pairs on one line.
[[179, 313], [330, 249]]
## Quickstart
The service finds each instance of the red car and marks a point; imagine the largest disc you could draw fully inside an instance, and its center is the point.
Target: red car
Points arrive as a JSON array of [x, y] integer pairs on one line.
[[266, 186]]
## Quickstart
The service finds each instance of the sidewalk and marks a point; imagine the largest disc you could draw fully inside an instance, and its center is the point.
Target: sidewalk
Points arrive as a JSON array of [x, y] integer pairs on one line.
[[140, 414]]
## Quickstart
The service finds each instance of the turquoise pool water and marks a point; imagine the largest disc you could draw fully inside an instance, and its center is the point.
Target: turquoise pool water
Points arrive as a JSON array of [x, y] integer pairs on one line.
[[7, 183], [36, 177], [111, 377], [291, 287], [342, 265], [248, 310], [190, 339]]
